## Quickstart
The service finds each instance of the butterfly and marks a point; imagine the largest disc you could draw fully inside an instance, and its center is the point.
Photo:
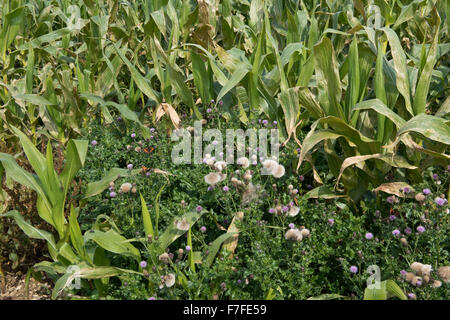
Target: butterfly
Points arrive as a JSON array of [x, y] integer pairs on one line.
[[149, 149], [145, 169], [393, 211]]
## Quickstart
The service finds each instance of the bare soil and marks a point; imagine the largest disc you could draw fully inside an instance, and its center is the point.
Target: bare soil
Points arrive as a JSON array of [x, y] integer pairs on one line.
[[12, 287]]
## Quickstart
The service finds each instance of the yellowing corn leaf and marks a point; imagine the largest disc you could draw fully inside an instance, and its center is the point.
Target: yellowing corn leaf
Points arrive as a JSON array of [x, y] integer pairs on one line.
[[231, 243], [165, 108]]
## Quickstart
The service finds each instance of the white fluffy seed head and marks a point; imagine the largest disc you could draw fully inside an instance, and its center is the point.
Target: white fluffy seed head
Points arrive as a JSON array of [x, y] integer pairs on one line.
[[417, 267], [169, 280], [213, 178], [125, 187], [279, 171], [243, 162], [305, 233], [293, 211], [294, 235]]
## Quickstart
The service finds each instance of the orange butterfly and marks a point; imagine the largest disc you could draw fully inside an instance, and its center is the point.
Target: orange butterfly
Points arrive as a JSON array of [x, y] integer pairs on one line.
[[149, 149], [145, 169]]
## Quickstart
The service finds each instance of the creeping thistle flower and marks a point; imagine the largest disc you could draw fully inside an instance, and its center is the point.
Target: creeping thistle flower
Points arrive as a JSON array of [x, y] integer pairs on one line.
[[439, 201], [182, 225], [243, 162], [125, 187]]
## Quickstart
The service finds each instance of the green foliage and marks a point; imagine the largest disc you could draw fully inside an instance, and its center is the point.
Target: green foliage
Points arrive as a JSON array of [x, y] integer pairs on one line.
[[361, 87]]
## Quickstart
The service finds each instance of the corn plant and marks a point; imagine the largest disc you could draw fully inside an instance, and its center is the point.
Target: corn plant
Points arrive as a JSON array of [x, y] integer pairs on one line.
[[68, 248], [361, 147]]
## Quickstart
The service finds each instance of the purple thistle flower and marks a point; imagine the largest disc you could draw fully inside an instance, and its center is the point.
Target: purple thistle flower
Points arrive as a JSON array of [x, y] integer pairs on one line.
[[426, 191], [420, 229], [301, 178], [188, 248], [439, 201], [309, 187], [147, 173], [239, 281], [275, 122], [285, 209], [226, 189], [435, 177], [133, 135], [412, 296], [221, 102], [152, 129], [418, 283], [94, 143], [143, 264], [271, 210], [403, 272], [130, 166], [353, 269], [406, 190], [331, 221], [112, 194], [210, 188], [369, 236], [390, 200], [199, 208], [448, 167], [392, 217], [396, 232], [265, 122], [291, 226], [209, 110], [151, 298], [203, 229], [408, 230]]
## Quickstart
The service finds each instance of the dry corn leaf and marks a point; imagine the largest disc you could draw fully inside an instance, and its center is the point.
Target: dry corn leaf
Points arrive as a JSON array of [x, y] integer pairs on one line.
[[165, 108]]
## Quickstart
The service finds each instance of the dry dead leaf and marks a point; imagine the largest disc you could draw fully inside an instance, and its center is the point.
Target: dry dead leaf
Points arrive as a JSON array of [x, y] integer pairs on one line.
[[165, 108], [394, 188]]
